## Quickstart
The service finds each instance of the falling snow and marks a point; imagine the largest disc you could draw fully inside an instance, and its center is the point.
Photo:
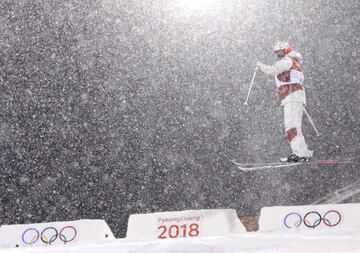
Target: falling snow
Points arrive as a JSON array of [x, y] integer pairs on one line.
[[113, 107]]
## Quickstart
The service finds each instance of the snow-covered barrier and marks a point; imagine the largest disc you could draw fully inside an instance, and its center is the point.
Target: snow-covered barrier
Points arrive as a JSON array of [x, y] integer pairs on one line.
[[183, 224], [340, 241], [309, 218], [93, 236], [67, 233]]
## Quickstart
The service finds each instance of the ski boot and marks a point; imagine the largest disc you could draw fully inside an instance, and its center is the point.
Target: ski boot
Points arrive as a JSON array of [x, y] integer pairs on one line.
[[293, 158]]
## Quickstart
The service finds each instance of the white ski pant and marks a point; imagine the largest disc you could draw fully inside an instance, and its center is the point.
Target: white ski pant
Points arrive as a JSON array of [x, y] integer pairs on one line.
[[293, 113]]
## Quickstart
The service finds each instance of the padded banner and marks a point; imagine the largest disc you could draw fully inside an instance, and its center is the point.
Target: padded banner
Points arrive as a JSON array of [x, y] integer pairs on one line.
[[54, 233], [183, 224], [308, 218]]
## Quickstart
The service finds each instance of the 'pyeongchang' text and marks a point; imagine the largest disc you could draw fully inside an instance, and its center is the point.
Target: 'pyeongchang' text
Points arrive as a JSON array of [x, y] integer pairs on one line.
[[178, 219]]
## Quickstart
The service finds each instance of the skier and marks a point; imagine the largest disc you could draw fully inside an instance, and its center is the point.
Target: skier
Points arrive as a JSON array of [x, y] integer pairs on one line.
[[289, 80]]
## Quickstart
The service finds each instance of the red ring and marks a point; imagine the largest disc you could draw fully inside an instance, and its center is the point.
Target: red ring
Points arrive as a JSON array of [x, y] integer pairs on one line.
[[328, 223], [66, 241]]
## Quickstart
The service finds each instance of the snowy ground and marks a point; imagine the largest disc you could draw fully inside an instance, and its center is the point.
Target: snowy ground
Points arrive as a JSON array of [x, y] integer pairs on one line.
[[254, 242]]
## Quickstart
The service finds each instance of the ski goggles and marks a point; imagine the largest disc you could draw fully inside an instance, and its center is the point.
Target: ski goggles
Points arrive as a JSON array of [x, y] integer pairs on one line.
[[280, 53]]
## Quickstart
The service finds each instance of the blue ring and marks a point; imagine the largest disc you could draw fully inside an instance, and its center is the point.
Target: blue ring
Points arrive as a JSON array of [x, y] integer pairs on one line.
[[297, 214], [37, 236]]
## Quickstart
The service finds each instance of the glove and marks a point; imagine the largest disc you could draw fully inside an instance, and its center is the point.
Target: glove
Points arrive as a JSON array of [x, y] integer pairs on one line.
[[259, 64]]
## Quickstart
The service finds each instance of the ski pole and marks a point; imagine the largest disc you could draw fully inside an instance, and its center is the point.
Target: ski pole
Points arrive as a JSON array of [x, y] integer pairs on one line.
[[251, 84], [311, 122]]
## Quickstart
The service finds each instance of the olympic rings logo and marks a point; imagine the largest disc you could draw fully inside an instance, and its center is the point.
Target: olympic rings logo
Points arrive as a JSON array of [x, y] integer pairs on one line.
[[49, 235], [312, 219]]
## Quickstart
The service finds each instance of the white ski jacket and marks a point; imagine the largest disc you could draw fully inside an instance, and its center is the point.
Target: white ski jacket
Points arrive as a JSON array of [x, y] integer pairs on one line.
[[282, 65]]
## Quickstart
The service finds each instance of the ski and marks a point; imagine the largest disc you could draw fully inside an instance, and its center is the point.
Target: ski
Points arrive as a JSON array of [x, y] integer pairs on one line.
[[283, 163]]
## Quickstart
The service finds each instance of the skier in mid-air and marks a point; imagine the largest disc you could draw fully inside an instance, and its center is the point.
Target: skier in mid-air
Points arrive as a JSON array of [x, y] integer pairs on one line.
[[289, 80]]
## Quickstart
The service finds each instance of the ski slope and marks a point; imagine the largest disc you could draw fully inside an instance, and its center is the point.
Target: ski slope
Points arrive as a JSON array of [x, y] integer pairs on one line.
[[255, 242], [338, 231]]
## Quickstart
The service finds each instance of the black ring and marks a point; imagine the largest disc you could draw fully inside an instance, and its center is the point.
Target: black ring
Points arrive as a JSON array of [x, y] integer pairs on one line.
[[316, 223], [52, 238]]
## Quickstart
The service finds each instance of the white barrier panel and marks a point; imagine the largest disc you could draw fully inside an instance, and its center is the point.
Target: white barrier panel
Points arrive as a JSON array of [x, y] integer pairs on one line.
[[308, 218], [340, 241], [54, 233], [183, 224]]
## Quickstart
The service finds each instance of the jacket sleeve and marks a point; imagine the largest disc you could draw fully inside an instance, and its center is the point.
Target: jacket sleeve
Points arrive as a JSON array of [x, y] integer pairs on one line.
[[279, 67]]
